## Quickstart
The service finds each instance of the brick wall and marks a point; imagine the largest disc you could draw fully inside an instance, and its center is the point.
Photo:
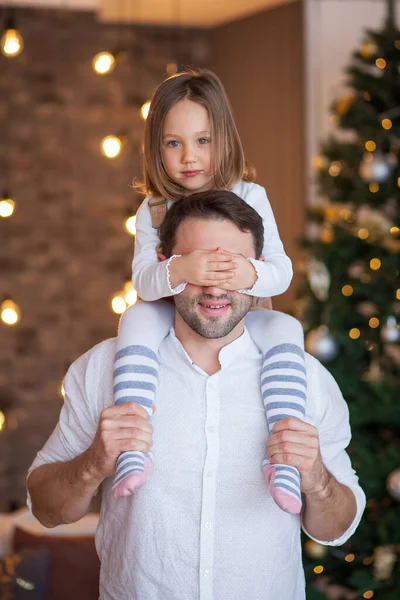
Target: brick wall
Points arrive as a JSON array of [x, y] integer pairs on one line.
[[65, 252]]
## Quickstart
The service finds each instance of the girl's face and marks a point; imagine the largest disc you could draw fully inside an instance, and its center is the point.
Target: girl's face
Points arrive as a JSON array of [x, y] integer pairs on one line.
[[186, 146]]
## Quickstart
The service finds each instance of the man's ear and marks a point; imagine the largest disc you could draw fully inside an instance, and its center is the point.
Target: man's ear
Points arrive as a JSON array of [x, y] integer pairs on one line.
[[161, 257], [262, 258]]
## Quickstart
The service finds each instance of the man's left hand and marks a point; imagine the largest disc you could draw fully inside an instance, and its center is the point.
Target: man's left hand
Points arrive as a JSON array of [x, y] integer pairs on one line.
[[296, 443]]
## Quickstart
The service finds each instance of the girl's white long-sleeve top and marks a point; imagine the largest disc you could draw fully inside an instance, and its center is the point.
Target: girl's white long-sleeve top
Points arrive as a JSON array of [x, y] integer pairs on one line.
[[151, 278]]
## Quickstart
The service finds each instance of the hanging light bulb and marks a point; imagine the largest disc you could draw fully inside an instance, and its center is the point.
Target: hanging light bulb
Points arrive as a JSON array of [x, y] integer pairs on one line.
[[7, 206], [111, 146], [2, 420], [130, 225], [130, 293], [144, 111], [103, 62], [11, 42], [118, 303], [10, 312]]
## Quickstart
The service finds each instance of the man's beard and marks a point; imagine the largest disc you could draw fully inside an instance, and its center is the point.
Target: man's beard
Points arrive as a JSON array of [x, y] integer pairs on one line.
[[212, 327]]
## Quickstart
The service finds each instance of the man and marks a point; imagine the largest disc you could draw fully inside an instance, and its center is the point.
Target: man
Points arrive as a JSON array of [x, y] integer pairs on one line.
[[204, 526]]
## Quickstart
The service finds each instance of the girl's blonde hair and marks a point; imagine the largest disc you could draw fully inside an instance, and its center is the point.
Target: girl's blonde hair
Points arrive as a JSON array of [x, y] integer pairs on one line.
[[228, 162]]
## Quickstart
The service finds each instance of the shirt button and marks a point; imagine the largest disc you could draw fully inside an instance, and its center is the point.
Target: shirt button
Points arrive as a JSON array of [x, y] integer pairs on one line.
[[211, 429], [207, 525], [206, 573]]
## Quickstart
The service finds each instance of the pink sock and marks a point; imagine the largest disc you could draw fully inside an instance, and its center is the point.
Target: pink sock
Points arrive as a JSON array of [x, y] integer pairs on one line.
[[132, 482], [285, 499]]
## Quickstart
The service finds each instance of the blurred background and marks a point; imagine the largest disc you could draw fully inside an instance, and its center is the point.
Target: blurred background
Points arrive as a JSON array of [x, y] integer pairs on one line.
[[315, 90]]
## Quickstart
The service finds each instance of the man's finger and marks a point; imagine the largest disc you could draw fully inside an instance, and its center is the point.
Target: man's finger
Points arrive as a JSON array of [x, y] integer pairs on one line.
[[290, 436], [294, 424], [126, 408]]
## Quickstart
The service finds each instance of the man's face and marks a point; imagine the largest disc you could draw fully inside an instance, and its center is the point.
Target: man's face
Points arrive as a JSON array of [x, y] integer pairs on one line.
[[210, 311]]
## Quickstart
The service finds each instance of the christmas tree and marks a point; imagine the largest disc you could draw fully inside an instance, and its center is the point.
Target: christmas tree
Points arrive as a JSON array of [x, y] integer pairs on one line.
[[350, 306]]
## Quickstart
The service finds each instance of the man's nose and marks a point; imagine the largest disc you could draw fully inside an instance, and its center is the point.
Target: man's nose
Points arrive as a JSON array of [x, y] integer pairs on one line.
[[214, 291]]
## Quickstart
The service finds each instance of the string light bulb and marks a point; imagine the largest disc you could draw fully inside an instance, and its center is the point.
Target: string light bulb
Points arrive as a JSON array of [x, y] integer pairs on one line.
[[144, 111], [7, 207], [130, 293], [370, 146], [10, 312], [103, 62], [2, 419], [111, 146], [118, 303], [11, 42], [386, 124], [130, 225]]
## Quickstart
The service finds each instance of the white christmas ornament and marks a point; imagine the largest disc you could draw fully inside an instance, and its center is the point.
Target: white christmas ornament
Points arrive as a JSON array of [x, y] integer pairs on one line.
[[393, 484], [390, 332], [377, 169], [321, 344], [319, 278]]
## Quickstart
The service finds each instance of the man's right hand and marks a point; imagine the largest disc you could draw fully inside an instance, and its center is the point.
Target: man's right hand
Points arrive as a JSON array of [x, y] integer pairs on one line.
[[121, 427]]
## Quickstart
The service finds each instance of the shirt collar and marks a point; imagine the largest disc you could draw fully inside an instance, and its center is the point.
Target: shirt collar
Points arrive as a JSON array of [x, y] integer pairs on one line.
[[243, 345]]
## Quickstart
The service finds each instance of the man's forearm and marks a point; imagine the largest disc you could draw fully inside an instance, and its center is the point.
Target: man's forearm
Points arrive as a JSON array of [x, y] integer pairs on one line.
[[329, 512], [61, 492]]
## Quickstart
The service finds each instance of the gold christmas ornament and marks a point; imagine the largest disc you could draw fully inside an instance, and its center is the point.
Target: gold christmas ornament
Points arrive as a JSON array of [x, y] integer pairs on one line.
[[327, 235], [343, 105], [368, 49], [315, 550], [384, 560]]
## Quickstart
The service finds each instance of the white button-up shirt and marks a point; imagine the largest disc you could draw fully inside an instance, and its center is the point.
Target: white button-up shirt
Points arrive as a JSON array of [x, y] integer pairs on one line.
[[204, 527]]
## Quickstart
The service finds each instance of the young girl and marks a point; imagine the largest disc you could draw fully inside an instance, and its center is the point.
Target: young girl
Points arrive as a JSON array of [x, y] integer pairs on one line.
[[191, 144]]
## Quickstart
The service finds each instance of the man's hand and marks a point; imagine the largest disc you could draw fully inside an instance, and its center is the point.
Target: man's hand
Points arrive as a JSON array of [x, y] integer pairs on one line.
[[296, 443], [244, 277], [121, 427], [203, 267]]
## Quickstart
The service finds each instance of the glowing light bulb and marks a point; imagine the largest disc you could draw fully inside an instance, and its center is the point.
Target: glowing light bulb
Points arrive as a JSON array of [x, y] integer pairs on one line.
[[103, 62], [373, 322], [363, 233], [370, 146], [10, 312], [318, 569], [347, 290], [354, 333], [375, 264], [118, 304], [386, 124], [380, 63], [111, 146], [7, 207], [2, 420], [130, 225], [11, 42], [144, 111]]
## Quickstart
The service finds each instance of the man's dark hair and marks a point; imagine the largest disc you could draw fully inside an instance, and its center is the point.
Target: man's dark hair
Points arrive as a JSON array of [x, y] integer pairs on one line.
[[213, 204]]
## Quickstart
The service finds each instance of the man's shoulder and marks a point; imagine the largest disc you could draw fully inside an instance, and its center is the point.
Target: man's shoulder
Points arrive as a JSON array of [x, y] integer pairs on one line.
[[100, 354]]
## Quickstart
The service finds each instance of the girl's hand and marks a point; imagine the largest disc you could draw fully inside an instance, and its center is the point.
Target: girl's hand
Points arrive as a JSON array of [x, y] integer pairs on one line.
[[205, 268], [245, 275]]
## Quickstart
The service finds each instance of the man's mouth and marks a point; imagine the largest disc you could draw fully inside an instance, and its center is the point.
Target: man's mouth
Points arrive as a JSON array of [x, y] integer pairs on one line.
[[214, 308]]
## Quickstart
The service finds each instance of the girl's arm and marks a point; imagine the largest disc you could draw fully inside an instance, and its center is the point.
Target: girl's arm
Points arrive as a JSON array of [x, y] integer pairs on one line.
[[275, 273], [150, 278]]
